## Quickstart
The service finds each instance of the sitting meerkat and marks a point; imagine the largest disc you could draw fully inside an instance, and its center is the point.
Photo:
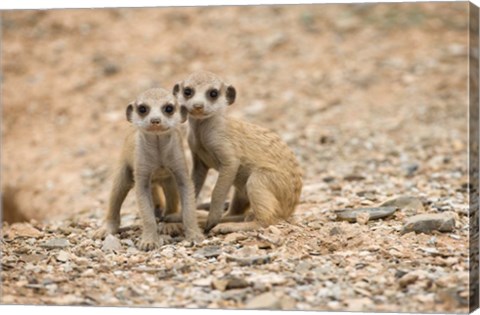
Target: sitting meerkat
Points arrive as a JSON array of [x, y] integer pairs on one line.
[[264, 171], [153, 157]]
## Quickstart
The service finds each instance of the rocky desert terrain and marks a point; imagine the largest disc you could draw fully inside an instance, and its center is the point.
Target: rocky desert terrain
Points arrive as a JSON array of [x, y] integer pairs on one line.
[[372, 98]]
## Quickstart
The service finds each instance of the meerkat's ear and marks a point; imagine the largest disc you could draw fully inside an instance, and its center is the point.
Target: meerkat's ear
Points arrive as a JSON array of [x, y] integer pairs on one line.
[[129, 112], [231, 95], [176, 88], [183, 113]]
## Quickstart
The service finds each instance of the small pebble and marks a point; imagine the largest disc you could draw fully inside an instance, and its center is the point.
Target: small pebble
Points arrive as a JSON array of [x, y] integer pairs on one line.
[[264, 301], [56, 243]]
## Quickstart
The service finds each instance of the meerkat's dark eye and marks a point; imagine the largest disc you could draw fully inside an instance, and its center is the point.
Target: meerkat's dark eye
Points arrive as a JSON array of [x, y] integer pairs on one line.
[[169, 109], [188, 92], [213, 93], [142, 109]]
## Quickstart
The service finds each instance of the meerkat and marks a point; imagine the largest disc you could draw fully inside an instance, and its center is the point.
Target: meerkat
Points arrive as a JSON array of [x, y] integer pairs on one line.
[[153, 157], [264, 172]]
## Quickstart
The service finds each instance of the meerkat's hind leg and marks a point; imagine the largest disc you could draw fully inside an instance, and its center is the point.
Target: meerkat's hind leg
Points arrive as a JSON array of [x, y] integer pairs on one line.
[[158, 200], [174, 228], [236, 223], [264, 205], [240, 203], [177, 217], [202, 213], [122, 183], [234, 218], [172, 224], [171, 196], [225, 228]]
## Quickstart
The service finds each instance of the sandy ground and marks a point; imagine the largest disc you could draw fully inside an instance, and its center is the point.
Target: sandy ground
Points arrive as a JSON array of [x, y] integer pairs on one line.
[[371, 98]]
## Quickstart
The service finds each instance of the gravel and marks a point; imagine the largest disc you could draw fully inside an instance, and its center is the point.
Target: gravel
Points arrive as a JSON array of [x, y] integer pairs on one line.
[[371, 125]]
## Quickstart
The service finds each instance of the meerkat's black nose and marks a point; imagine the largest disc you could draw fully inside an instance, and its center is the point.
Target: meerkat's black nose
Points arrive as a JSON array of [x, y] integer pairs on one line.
[[198, 106], [155, 121]]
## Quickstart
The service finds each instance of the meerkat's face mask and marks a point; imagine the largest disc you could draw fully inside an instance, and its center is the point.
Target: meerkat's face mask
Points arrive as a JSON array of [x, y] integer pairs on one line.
[[155, 115], [204, 99]]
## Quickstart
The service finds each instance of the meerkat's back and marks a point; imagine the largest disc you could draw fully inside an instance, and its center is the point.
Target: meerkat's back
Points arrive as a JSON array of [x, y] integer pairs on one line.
[[266, 153]]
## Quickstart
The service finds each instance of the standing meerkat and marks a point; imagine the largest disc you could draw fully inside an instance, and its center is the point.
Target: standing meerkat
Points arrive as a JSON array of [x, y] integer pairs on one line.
[[264, 171], [153, 156]]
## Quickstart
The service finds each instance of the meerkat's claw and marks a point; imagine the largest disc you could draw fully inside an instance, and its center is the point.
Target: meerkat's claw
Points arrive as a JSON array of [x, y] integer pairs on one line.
[[102, 232], [150, 242], [194, 236], [212, 220], [210, 225], [172, 229]]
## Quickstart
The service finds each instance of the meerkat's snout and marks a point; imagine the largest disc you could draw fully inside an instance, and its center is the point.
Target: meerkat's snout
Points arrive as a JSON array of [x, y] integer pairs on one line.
[[198, 106], [155, 121], [198, 109], [156, 125]]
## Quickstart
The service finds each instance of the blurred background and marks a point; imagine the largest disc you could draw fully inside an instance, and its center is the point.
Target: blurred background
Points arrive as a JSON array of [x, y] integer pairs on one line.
[[370, 92]]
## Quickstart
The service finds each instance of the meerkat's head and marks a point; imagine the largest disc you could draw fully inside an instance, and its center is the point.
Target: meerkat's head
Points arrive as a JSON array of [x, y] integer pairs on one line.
[[204, 94], [155, 111]]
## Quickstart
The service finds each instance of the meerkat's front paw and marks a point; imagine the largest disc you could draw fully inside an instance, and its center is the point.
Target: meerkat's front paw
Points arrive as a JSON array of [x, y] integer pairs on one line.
[[212, 220], [100, 233], [194, 235], [172, 229], [150, 242], [105, 230]]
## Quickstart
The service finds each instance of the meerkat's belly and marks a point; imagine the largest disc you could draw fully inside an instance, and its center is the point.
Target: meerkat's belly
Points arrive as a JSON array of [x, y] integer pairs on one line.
[[161, 174]]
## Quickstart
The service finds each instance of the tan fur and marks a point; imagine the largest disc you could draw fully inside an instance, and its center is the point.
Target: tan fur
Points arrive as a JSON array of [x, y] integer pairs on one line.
[[264, 171], [153, 160]]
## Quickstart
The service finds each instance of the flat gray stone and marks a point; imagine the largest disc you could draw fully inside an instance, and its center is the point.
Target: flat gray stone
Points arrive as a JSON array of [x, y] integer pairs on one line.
[[252, 260], [350, 215], [404, 202], [426, 223], [208, 252], [56, 243]]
